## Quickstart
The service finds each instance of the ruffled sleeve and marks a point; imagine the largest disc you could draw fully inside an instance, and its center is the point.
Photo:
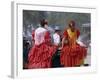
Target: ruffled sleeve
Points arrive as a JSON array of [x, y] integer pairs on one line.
[[47, 37]]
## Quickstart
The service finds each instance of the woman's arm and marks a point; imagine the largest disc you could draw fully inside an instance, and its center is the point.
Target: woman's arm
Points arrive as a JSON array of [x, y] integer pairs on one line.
[[65, 35], [63, 40]]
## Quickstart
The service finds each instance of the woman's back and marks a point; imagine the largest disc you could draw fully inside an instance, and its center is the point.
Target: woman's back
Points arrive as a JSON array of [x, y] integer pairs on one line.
[[39, 35]]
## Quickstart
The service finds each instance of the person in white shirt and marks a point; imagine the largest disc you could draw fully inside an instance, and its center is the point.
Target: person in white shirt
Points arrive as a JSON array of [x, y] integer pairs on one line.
[[56, 42], [56, 36]]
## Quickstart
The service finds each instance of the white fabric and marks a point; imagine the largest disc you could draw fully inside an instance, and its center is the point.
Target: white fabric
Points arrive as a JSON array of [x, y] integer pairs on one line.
[[39, 35], [56, 38]]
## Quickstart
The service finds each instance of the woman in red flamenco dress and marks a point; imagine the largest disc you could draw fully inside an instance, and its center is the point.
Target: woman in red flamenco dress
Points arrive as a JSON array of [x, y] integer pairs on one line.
[[72, 54], [41, 53]]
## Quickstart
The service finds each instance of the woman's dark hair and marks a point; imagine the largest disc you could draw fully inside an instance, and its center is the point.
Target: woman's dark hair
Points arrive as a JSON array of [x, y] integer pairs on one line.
[[71, 23], [43, 22]]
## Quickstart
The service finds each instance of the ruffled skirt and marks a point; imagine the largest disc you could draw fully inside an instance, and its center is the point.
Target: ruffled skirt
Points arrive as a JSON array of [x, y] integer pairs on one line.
[[40, 56], [72, 56]]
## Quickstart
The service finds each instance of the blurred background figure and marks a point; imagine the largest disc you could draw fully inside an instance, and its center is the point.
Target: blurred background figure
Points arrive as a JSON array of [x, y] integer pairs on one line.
[[33, 34], [56, 36], [26, 48], [57, 43]]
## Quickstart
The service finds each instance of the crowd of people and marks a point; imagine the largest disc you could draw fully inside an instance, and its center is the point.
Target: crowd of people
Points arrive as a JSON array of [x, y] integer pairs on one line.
[[48, 43]]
